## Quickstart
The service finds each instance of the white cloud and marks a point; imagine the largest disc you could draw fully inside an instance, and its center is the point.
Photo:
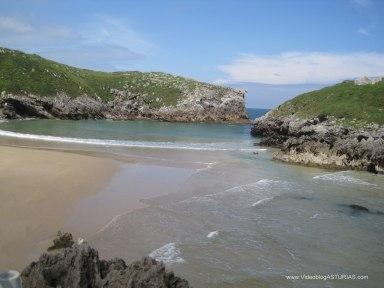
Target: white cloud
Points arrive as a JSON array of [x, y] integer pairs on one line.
[[363, 31], [362, 3], [108, 30], [299, 68], [102, 42], [99, 57], [26, 33], [14, 25]]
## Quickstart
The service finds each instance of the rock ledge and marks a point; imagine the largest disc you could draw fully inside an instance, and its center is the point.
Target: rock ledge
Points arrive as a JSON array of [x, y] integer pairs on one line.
[[319, 142]]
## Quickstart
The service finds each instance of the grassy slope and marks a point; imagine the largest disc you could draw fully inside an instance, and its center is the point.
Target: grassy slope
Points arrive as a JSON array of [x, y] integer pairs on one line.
[[348, 103], [22, 73]]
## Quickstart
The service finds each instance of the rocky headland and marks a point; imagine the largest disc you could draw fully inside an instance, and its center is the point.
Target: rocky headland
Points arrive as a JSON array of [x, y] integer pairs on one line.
[[336, 127], [77, 265], [34, 87]]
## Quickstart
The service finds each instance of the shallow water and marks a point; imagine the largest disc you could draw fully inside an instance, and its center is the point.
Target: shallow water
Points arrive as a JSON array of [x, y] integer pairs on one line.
[[227, 216]]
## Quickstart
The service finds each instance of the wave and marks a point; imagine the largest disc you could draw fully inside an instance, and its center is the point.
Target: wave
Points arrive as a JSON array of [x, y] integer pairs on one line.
[[112, 222], [314, 216], [342, 177], [261, 184], [168, 254], [208, 167], [126, 143], [262, 201], [212, 234]]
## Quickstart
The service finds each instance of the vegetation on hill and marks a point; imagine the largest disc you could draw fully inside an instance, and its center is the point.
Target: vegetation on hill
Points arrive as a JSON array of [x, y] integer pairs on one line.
[[347, 103], [22, 73]]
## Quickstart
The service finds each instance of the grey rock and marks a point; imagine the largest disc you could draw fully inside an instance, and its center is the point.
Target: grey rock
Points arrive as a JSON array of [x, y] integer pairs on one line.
[[318, 142], [201, 105], [358, 208], [62, 240], [79, 266]]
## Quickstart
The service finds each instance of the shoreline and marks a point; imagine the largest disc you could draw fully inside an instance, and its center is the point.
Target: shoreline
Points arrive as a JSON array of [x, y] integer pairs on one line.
[[69, 188], [39, 190]]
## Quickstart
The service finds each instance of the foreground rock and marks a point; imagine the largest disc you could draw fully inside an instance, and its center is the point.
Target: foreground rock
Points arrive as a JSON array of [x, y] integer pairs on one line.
[[204, 105], [79, 266], [318, 141]]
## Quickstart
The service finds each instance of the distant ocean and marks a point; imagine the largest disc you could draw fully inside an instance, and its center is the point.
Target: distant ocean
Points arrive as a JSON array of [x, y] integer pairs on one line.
[[256, 112]]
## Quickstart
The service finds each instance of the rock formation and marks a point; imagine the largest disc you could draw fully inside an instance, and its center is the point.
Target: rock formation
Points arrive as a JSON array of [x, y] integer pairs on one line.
[[203, 106], [368, 80], [317, 141], [79, 266]]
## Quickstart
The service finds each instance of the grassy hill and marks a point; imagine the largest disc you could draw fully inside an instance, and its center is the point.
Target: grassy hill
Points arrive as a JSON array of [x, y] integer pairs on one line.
[[22, 73], [346, 102]]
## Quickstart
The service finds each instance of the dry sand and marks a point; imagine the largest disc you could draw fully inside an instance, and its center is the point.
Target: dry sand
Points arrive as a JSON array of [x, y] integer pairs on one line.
[[38, 190]]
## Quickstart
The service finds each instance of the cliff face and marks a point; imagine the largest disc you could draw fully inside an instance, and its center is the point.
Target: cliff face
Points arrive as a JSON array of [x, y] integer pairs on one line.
[[204, 106], [32, 86], [334, 138], [70, 265]]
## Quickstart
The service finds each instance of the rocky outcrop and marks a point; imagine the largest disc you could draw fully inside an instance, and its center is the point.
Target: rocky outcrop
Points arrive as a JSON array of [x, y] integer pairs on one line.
[[63, 240], [368, 80], [79, 266], [203, 105], [319, 142]]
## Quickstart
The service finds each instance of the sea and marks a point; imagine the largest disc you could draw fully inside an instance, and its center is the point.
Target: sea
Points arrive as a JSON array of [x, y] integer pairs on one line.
[[217, 209]]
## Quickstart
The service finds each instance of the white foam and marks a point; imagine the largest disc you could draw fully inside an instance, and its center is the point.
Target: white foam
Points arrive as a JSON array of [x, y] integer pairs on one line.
[[80, 241], [212, 234], [342, 177], [266, 182], [208, 167], [263, 183], [127, 143], [110, 223], [168, 254], [262, 201], [315, 216]]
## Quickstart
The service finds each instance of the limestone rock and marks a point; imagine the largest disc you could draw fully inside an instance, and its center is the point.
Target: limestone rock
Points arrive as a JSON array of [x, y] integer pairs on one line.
[[79, 266], [63, 240], [318, 142], [201, 105]]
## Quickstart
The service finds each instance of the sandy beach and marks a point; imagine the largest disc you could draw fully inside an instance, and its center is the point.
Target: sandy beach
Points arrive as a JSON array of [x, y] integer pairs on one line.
[[38, 191]]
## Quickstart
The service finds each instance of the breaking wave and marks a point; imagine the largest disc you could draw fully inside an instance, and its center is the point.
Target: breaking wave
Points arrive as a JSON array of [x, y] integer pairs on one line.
[[112, 222], [168, 254], [343, 178], [212, 234], [261, 184], [262, 201]]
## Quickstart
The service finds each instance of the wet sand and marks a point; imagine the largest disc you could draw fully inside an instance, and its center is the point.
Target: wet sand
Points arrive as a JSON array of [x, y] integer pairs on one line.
[[39, 190], [134, 186]]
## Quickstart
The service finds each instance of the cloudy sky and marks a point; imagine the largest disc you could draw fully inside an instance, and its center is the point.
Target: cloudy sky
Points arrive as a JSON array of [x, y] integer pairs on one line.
[[275, 49]]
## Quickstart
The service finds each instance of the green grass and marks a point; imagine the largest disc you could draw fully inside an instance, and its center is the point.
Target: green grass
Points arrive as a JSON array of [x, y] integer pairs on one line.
[[346, 103], [23, 74]]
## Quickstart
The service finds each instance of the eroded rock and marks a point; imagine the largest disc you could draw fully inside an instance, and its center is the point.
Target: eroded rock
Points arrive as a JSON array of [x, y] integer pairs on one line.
[[79, 266], [318, 142], [201, 105]]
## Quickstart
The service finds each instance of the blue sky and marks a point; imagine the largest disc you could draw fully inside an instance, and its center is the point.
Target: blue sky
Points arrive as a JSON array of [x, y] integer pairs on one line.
[[274, 49]]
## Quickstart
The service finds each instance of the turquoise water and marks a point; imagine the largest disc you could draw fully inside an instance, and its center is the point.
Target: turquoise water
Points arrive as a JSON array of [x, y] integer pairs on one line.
[[232, 217], [135, 130], [132, 130], [150, 134]]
